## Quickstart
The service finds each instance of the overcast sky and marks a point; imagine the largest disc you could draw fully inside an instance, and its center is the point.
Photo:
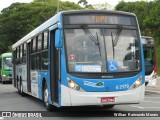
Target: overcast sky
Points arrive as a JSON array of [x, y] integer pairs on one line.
[[6, 3]]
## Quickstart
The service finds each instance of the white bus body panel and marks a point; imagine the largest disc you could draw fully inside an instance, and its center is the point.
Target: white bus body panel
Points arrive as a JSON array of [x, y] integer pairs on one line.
[[70, 97], [150, 80]]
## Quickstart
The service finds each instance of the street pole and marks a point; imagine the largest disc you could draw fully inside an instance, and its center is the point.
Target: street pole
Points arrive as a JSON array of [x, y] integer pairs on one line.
[[57, 6]]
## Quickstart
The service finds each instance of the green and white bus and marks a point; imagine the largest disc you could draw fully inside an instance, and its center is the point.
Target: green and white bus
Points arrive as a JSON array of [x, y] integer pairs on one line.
[[6, 67]]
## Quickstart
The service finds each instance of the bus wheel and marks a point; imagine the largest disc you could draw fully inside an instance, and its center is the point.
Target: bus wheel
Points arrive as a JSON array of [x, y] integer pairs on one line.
[[21, 90], [18, 87], [45, 99], [108, 106]]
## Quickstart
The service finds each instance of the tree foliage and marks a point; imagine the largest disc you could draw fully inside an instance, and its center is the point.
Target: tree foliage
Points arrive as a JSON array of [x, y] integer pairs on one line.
[[148, 14], [20, 18], [104, 6], [85, 4]]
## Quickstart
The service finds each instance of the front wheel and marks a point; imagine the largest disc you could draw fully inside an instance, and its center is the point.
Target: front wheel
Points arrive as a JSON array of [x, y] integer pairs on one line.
[[45, 99]]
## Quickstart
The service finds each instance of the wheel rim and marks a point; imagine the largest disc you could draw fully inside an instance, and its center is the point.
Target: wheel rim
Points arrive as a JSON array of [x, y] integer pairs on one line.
[[46, 96]]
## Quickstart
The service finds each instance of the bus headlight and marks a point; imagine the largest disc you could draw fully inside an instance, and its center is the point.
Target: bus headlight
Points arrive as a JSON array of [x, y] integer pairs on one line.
[[74, 85], [137, 83], [4, 76]]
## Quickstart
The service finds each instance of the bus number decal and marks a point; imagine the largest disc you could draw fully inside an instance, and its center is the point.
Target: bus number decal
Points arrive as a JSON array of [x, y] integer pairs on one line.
[[121, 87]]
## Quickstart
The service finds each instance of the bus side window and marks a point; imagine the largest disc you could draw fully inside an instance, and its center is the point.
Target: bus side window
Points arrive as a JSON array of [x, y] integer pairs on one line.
[[39, 42], [17, 52], [38, 61], [21, 51], [24, 50], [45, 60], [33, 62], [45, 51], [34, 45], [45, 40]]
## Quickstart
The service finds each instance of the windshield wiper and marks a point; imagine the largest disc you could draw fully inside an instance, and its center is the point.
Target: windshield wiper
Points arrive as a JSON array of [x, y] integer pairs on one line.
[[115, 41], [117, 35], [98, 44], [94, 39], [88, 32]]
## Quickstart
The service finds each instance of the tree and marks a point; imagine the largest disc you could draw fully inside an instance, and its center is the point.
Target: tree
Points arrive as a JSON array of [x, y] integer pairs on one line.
[[104, 6], [85, 4], [19, 19]]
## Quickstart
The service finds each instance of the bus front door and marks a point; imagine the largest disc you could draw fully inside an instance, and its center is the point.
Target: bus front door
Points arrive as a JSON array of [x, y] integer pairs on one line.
[[54, 68]]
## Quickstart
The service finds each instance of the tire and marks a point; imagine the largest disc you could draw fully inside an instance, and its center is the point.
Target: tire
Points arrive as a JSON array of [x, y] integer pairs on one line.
[[45, 99], [108, 106], [18, 87], [146, 83]]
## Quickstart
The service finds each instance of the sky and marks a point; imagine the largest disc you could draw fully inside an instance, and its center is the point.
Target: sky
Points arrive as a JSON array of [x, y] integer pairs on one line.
[[7, 3]]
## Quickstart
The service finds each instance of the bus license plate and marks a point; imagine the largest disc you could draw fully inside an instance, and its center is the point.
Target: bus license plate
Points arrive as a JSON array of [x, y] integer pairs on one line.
[[107, 99]]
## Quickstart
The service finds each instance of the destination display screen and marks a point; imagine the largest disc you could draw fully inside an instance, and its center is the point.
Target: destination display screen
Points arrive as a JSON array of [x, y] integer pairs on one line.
[[99, 19]]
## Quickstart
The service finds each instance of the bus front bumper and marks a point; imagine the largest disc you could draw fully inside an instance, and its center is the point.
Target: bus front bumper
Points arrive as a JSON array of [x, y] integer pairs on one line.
[[70, 97]]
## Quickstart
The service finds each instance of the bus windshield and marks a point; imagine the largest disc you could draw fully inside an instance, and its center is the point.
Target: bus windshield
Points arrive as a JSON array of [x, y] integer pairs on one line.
[[7, 64], [102, 50], [149, 59]]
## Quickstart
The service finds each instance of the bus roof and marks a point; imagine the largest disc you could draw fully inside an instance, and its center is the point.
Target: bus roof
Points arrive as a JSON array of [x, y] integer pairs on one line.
[[6, 55], [56, 18], [96, 11]]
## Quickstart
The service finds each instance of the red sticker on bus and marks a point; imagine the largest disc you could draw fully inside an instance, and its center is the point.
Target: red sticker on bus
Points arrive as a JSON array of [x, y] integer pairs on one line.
[[72, 57]]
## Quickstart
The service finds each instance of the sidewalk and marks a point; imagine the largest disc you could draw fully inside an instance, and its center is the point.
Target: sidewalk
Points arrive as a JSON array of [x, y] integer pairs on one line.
[[154, 89]]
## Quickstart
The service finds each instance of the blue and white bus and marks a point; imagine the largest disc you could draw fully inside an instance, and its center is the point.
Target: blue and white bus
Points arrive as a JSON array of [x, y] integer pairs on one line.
[[80, 58]]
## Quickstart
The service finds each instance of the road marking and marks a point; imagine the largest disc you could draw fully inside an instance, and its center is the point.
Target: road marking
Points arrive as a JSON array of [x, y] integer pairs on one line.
[[152, 101], [145, 107], [137, 106]]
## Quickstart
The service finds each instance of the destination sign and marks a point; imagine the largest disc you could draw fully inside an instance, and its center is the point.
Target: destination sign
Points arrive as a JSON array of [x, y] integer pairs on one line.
[[99, 19]]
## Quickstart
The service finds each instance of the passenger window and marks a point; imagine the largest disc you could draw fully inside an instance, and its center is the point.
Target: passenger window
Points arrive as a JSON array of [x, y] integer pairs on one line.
[[45, 60], [17, 52], [38, 61], [24, 49], [39, 42], [33, 62], [20, 51], [34, 45], [45, 40]]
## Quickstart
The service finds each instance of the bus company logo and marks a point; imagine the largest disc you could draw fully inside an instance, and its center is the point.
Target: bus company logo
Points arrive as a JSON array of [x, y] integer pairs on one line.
[[93, 84]]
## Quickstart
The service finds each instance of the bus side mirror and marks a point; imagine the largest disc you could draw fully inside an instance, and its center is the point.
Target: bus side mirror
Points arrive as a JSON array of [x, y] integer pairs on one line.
[[58, 40]]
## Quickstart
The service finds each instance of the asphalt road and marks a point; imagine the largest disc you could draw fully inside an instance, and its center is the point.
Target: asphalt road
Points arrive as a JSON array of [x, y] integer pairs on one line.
[[10, 100]]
